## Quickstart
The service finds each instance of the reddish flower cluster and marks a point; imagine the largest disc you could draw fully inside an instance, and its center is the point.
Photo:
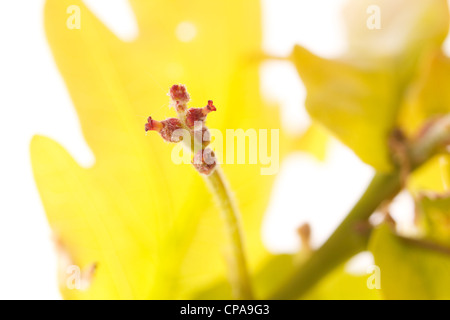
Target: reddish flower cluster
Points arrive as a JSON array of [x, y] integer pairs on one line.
[[204, 161]]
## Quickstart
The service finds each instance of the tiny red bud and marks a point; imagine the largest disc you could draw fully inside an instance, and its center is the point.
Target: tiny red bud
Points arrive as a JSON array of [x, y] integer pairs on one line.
[[199, 114], [179, 93], [193, 115], [170, 125], [166, 128], [204, 161]]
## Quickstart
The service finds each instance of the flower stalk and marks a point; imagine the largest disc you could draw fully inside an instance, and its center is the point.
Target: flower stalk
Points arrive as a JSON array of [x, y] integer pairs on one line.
[[239, 276]]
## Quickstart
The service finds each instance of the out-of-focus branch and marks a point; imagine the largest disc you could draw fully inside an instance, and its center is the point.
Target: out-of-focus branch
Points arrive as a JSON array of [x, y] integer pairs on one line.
[[353, 233]]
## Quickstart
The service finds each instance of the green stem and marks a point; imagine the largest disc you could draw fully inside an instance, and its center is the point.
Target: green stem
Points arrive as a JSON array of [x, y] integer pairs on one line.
[[240, 278], [348, 239]]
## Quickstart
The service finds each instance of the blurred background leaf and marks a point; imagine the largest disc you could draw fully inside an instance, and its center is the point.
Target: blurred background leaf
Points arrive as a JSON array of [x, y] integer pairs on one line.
[[409, 270], [434, 217], [359, 97]]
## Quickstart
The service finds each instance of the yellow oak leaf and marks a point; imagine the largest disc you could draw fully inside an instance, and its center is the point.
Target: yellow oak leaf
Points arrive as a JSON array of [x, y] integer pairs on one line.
[[360, 97], [149, 226], [357, 104], [428, 96], [410, 269], [397, 30]]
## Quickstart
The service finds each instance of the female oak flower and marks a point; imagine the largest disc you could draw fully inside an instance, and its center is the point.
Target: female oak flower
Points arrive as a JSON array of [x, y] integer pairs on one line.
[[199, 114], [205, 162], [179, 97], [194, 121]]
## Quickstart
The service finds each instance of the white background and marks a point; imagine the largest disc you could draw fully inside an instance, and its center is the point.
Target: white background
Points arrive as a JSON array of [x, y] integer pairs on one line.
[[33, 99]]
